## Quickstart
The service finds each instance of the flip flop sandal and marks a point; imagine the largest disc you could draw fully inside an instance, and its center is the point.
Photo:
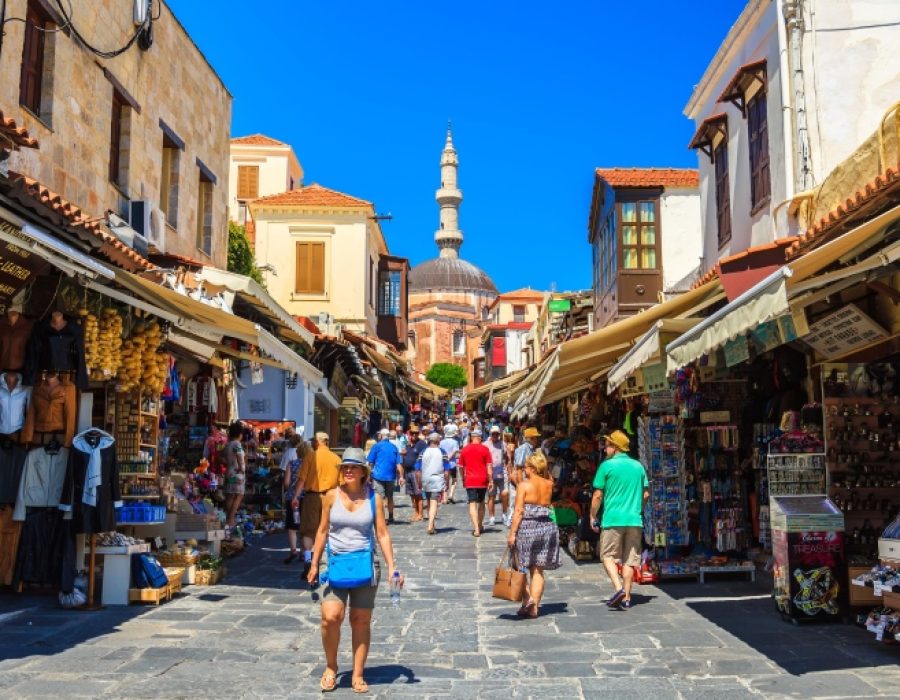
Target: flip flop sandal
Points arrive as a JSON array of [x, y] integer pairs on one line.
[[328, 682], [360, 686], [475, 533]]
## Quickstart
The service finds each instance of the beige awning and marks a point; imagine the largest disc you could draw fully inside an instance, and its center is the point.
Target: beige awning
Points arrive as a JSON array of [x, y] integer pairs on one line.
[[256, 296], [582, 361], [651, 347], [771, 297]]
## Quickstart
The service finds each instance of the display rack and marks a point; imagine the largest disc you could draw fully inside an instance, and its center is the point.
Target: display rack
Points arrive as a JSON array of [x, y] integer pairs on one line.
[[137, 444], [661, 449]]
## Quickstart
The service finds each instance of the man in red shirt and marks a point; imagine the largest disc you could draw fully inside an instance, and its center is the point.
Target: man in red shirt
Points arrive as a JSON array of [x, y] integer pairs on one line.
[[476, 462]]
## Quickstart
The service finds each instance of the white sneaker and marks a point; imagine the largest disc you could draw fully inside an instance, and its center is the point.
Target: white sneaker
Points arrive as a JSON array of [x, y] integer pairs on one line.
[[491, 520]]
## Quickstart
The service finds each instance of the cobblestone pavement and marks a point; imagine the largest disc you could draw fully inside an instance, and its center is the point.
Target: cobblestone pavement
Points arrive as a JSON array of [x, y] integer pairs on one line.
[[258, 637]]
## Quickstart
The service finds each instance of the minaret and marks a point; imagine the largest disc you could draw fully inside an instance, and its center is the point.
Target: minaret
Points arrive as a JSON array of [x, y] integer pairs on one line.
[[448, 237]]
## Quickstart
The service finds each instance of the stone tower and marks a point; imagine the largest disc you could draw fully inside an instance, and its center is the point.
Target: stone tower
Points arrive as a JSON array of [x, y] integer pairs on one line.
[[448, 237]]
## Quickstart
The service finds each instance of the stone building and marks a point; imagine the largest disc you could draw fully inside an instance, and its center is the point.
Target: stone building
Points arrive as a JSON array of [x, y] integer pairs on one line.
[[143, 134], [449, 298]]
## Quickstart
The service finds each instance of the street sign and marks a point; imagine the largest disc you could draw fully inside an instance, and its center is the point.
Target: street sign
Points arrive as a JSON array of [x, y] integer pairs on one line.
[[559, 306]]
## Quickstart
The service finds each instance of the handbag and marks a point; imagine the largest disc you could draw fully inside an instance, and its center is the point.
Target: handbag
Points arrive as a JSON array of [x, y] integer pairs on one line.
[[353, 569], [509, 583]]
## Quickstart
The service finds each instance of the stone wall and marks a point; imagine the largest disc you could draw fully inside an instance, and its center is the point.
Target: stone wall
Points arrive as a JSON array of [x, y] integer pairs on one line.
[[171, 81]]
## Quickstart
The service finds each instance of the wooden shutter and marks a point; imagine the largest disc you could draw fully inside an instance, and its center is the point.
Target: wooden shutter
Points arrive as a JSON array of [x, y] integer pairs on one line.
[[310, 277], [32, 60], [248, 181], [115, 138]]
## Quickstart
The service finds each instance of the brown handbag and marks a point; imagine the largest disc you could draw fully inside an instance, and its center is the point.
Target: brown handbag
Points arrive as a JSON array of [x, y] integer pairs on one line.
[[509, 582]]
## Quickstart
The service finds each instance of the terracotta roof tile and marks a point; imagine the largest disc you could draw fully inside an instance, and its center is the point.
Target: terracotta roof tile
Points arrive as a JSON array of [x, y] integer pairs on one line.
[[523, 293], [13, 136], [818, 232], [312, 196], [257, 140], [73, 218], [650, 177]]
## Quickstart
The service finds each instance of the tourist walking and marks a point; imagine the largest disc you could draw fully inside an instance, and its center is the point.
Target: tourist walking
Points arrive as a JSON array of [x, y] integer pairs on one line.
[[621, 489], [352, 518], [417, 445], [318, 475], [432, 469], [532, 534], [387, 467], [476, 464], [295, 452], [499, 487], [235, 473], [450, 446]]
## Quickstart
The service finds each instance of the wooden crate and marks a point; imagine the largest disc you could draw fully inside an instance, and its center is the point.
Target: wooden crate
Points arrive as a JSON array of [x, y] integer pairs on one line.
[[148, 595]]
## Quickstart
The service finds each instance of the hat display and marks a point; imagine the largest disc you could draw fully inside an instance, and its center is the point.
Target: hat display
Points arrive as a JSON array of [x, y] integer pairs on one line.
[[618, 439], [532, 433]]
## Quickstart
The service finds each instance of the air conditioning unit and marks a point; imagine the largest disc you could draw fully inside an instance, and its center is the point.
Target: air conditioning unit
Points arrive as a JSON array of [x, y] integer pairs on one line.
[[150, 223]]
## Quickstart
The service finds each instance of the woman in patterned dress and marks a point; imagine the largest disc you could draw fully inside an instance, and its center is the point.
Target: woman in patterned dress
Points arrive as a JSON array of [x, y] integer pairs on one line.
[[533, 534]]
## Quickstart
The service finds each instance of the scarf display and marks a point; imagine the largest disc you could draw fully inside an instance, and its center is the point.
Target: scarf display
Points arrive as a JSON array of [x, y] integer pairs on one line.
[[92, 477]]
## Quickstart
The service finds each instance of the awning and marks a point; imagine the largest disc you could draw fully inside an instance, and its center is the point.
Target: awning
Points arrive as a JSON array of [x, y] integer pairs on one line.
[[580, 362], [650, 347], [526, 390], [256, 296], [420, 387], [772, 297], [273, 347], [59, 254], [382, 363], [763, 302], [184, 307]]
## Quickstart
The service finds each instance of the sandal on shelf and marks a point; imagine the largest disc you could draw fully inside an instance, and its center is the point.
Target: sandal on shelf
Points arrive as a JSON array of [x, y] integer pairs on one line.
[[360, 686], [328, 682]]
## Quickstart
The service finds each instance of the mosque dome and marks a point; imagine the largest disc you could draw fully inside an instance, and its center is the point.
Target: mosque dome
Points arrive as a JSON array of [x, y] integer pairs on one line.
[[449, 274]]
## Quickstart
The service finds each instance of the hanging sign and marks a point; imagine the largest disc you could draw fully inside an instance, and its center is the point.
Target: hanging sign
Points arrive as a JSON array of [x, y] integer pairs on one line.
[[766, 336], [18, 266], [843, 331], [736, 351], [559, 306], [655, 378]]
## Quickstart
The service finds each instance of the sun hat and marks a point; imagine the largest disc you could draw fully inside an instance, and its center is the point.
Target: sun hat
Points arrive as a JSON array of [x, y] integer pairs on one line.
[[495, 429], [356, 457], [618, 439], [383, 431], [450, 430], [532, 432], [320, 436], [476, 432]]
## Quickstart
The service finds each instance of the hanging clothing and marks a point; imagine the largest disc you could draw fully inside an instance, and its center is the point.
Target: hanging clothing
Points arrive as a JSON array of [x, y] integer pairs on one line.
[[12, 463], [46, 550], [13, 405], [42, 480], [10, 532], [92, 443], [14, 342], [58, 350], [81, 480], [53, 409]]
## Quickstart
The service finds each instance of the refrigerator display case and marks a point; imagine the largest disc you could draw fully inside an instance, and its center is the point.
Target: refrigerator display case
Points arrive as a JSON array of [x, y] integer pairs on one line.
[[810, 564]]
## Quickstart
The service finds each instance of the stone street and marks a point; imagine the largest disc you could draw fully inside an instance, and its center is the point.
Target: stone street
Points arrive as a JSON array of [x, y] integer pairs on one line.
[[257, 636]]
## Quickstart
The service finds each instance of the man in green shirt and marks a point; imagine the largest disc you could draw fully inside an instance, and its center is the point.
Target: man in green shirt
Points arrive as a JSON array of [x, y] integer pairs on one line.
[[622, 489]]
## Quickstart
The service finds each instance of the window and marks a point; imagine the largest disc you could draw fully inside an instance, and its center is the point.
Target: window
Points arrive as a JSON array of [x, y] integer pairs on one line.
[[168, 189], [248, 182], [459, 343], [485, 312], [205, 213], [372, 283], [242, 213], [605, 262], [119, 140], [37, 50], [758, 127], [310, 277], [411, 340], [723, 203], [389, 293], [637, 229], [518, 314]]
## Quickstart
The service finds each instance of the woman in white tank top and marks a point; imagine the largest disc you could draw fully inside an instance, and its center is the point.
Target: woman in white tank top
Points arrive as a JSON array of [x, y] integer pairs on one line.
[[346, 526]]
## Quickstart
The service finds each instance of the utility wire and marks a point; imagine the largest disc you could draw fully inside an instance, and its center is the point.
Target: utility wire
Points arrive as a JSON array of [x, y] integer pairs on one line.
[[93, 49]]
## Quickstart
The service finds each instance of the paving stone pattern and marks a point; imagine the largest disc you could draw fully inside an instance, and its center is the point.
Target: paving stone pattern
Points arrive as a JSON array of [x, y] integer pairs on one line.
[[257, 636]]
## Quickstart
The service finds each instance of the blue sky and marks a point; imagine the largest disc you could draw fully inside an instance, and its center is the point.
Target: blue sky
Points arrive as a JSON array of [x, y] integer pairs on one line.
[[540, 94]]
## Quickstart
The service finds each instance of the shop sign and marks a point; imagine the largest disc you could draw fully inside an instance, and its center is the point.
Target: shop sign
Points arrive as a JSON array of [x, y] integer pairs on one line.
[[655, 378], [736, 351], [18, 266], [712, 417], [559, 306], [843, 331], [634, 385], [766, 336], [338, 382], [662, 402]]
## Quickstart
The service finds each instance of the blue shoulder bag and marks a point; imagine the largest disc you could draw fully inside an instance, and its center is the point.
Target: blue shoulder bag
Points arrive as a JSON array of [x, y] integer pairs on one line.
[[353, 569]]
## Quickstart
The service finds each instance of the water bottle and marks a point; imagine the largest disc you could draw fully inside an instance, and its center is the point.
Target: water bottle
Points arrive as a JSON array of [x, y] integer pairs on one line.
[[395, 590], [297, 515]]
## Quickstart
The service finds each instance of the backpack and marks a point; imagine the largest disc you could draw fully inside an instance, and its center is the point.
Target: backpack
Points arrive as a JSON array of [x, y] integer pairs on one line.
[[147, 572]]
